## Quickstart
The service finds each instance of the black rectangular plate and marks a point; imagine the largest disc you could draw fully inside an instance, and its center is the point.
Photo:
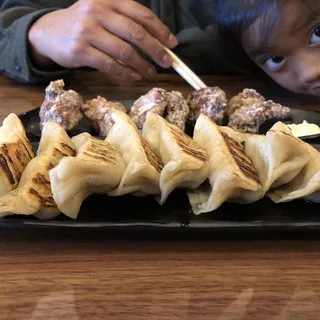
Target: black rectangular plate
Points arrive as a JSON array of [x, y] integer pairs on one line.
[[132, 213]]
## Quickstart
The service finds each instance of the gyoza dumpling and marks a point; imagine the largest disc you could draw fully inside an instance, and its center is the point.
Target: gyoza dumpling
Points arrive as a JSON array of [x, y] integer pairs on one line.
[[15, 153], [33, 194], [97, 168], [232, 177], [186, 164], [305, 185], [278, 157], [143, 166]]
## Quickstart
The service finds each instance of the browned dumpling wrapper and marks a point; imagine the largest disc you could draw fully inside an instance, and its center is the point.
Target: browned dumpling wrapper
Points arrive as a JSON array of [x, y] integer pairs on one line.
[[186, 164], [15, 153], [33, 195], [97, 168], [143, 166], [278, 157], [232, 176]]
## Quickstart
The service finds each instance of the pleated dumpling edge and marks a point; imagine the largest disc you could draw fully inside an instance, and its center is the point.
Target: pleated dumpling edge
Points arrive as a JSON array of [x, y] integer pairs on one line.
[[33, 195], [186, 164], [143, 166], [97, 168], [232, 177]]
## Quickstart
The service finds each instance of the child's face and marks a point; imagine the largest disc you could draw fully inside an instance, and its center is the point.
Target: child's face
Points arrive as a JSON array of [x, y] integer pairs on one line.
[[291, 54]]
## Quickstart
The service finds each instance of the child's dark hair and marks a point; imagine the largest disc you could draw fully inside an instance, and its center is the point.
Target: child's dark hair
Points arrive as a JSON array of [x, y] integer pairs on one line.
[[237, 15]]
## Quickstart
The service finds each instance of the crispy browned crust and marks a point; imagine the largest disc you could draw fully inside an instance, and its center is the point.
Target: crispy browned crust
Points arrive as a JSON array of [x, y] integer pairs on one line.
[[27, 148], [14, 157], [187, 145], [240, 158], [35, 189], [50, 166], [65, 151], [100, 150], [71, 152], [6, 169], [151, 156], [41, 190]]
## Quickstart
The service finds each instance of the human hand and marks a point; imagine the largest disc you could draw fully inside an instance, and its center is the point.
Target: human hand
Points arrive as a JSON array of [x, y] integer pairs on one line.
[[100, 34]]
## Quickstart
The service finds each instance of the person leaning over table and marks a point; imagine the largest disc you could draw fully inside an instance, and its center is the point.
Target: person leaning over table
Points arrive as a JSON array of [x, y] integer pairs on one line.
[[42, 40]]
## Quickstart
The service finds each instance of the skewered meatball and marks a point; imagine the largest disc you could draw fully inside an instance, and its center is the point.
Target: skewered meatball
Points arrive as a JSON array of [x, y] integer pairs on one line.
[[98, 112], [275, 110], [154, 101], [63, 107], [249, 118], [177, 109], [246, 97], [210, 101]]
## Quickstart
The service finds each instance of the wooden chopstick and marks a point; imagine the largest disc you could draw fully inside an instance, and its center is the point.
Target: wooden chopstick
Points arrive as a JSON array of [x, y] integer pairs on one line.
[[186, 72]]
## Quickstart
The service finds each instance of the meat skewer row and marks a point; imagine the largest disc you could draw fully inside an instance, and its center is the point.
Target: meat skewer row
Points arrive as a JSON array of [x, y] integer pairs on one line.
[[154, 101], [60, 106], [209, 101], [246, 97], [98, 112], [249, 118]]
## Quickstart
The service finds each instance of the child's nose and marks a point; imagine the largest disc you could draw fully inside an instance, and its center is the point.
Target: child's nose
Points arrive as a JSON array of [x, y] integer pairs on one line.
[[308, 66]]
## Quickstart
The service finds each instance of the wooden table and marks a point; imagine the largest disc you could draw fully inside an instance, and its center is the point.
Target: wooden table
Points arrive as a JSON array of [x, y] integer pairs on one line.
[[76, 274]]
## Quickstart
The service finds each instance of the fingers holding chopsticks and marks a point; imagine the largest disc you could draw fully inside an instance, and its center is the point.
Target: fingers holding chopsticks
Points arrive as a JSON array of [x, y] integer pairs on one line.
[[102, 33]]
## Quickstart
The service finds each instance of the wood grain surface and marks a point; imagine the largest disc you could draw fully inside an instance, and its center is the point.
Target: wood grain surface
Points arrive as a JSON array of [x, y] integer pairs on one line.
[[79, 274]]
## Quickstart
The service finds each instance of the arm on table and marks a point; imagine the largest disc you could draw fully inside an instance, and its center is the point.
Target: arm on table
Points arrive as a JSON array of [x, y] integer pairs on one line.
[[16, 18]]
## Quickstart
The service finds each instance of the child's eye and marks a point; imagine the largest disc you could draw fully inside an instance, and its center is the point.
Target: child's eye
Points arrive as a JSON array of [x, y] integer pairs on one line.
[[315, 37], [274, 63]]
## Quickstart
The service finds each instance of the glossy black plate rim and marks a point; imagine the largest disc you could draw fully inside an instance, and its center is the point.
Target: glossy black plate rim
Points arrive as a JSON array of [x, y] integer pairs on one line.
[[192, 226], [310, 137]]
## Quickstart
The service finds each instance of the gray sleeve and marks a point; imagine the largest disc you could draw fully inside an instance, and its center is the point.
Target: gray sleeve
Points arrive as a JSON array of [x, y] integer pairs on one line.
[[16, 19]]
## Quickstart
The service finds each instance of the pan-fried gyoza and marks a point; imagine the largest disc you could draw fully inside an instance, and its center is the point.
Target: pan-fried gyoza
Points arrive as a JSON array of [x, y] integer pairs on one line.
[[97, 168], [219, 164], [232, 176], [306, 185], [33, 194], [185, 163], [143, 166], [278, 157], [15, 153]]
